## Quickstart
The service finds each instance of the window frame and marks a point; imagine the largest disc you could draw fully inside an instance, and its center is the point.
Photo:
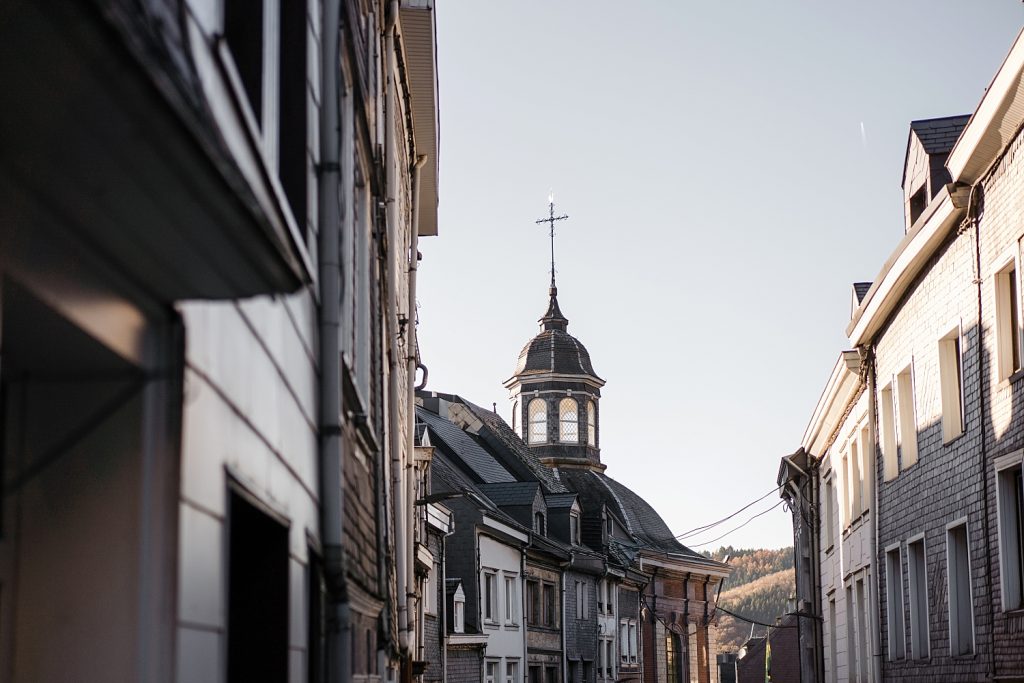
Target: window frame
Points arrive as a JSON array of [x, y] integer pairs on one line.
[[1009, 509], [906, 413], [917, 592], [897, 638], [887, 425], [951, 382], [1009, 337], [537, 429], [510, 615], [568, 429], [591, 423], [953, 577], [489, 604]]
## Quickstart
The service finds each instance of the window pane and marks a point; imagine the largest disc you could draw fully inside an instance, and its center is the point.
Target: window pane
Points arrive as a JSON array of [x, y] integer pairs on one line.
[[591, 424], [538, 421], [568, 421]]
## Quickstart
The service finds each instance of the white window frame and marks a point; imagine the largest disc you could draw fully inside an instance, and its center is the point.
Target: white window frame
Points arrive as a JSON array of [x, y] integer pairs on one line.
[[568, 429], [906, 408], [537, 429], [591, 423], [574, 528], [1006, 336], [867, 466], [510, 595], [1011, 555], [511, 671], [954, 566], [920, 632], [491, 670], [489, 607], [895, 613], [828, 483], [459, 615], [856, 478], [833, 665], [887, 413], [951, 382]]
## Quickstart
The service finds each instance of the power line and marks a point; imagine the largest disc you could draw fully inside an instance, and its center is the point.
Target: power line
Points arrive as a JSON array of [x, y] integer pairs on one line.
[[693, 532], [748, 619], [751, 519]]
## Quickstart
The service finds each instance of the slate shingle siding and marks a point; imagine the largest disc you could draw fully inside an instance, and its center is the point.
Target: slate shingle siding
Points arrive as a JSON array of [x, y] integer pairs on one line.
[[465, 664], [951, 481], [432, 627], [361, 534], [580, 634]]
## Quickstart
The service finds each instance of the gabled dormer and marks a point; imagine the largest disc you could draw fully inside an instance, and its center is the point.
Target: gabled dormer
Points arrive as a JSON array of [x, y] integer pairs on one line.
[[924, 168]]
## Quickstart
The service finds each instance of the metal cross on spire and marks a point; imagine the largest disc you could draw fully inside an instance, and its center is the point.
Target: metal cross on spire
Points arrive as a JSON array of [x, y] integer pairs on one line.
[[550, 220]]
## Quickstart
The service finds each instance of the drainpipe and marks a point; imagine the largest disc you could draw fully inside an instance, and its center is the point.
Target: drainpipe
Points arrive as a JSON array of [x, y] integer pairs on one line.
[[565, 652], [331, 456], [443, 629], [399, 460], [876, 627]]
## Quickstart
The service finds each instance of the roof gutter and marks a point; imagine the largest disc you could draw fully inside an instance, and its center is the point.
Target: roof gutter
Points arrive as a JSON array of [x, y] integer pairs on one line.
[[943, 213]]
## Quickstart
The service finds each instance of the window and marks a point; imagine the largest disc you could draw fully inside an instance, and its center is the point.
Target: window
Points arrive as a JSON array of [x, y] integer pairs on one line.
[[428, 593], [894, 603], [1010, 504], [605, 658], [511, 672], [919, 639], [627, 642], [856, 481], [867, 469], [535, 675], [538, 523], [515, 417], [600, 595], [459, 615], [591, 424], [845, 472], [511, 614], [292, 163], [538, 410], [918, 203], [490, 597], [568, 421], [548, 607], [833, 660], [673, 658], [862, 631], [829, 515], [1008, 333], [491, 672], [532, 602], [610, 597], [951, 382], [961, 607], [887, 413], [243, 30], [905, 412], [851, 637], [257, 632], [551, 674], [574, 528], [581, 600]]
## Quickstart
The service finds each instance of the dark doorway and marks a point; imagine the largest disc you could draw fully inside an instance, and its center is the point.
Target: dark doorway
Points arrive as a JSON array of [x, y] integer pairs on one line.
[[257, 594]]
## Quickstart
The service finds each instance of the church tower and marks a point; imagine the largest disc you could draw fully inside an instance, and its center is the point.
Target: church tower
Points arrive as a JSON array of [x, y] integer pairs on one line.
[[555, 392]]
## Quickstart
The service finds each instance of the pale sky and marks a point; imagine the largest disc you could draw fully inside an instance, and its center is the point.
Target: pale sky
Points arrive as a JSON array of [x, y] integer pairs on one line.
[[729, 169]]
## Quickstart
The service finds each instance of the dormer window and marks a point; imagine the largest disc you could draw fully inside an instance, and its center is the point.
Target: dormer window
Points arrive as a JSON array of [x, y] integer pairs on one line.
[[918, 203], [459, 612], [538, 421], [568, 421], [574, 528], [538, 523], [591, 424]]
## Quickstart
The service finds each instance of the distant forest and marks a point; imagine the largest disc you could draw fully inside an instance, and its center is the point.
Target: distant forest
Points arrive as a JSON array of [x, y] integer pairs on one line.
[[759, 588]]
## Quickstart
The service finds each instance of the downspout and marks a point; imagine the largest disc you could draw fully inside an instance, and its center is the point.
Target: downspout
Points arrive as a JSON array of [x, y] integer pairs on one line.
[[398, 462], [876, 585], [565, 652], [443, 629], [331, 457], [411, 354]]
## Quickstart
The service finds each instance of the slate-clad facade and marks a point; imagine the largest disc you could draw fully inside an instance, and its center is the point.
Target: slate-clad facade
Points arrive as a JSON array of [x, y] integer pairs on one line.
[[913, 477], [207, 354]]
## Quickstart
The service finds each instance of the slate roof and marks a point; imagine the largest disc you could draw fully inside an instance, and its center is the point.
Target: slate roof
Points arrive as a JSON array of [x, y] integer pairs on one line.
[[938, 136], [511, 493], [507, 438], [559, 500], [482, 464], [642, 521], [554, 349]]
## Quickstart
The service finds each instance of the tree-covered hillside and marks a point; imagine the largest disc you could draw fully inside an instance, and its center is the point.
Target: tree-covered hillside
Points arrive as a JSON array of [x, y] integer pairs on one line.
[[759, 588]]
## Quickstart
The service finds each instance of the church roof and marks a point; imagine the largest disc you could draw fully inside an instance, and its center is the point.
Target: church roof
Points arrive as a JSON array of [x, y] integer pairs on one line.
[[642, 521], [554, 350]]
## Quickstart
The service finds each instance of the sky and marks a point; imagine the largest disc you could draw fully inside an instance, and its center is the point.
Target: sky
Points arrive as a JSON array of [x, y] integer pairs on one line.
[[729, 170]]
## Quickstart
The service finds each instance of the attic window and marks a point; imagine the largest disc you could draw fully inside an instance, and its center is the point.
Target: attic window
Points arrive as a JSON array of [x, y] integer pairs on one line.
[[538, 523], [574, 529], [918, 203]]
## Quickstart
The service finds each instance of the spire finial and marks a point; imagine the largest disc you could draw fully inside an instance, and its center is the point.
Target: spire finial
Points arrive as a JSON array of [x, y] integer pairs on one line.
[[550, 220]]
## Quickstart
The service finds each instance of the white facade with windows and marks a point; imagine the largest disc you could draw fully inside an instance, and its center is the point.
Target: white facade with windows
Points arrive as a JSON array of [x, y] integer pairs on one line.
[[502, 608]]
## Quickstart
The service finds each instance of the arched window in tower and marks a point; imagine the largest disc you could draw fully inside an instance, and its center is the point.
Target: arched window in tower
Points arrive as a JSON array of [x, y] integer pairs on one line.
[[591, 424], [538, 413], [515, 416], [568, 421]]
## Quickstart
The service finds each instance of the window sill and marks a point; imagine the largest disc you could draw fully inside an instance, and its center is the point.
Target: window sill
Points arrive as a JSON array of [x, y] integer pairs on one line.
[[964, 658], [951, 440]]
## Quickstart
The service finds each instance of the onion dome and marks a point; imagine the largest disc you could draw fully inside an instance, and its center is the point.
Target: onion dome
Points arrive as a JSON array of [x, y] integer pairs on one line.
[[554, 350]]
